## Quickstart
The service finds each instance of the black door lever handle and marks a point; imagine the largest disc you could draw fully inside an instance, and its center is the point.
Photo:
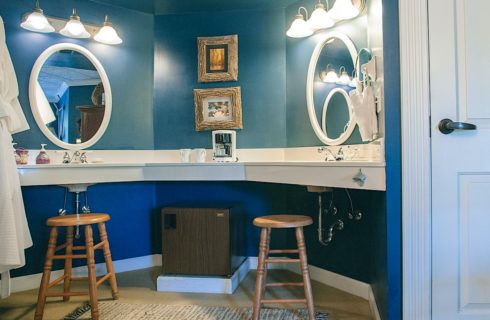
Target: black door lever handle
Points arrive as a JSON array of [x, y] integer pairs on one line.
[[446, 126]]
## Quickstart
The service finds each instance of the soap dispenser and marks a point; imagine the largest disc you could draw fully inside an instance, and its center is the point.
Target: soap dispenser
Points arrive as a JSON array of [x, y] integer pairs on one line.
[[42, 157]]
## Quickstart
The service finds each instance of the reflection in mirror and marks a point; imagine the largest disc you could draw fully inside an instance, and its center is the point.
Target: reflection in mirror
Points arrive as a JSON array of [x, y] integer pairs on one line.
[[337, 114], [327, 95], [70, 96], [68, 80]]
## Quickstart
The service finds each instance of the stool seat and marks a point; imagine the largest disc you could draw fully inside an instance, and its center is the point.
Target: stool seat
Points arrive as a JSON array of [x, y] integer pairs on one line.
[[267, 223], [282, 221], [82, 219]]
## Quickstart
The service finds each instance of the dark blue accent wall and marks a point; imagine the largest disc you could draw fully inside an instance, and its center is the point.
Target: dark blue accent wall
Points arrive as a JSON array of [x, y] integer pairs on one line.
[[391, 281], [129, 67], [261, 76]]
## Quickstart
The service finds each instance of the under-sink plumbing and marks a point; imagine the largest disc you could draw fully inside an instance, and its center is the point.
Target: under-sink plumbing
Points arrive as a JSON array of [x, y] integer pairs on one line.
[[331, 209]]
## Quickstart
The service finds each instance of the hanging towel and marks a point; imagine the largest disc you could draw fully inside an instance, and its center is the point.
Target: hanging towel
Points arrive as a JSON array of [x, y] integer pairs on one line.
[[364, 105], [14, 232]]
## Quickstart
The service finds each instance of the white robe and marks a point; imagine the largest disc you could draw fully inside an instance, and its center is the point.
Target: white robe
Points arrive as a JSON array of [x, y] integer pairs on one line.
[[14, 232]]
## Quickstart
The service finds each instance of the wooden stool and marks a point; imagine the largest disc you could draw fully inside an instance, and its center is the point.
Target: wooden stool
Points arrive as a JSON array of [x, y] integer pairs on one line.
[[70, 221], [281, 221]]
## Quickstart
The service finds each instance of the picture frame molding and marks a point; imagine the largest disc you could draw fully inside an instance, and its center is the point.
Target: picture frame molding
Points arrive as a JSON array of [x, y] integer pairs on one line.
[[231, 73], [236, 108]]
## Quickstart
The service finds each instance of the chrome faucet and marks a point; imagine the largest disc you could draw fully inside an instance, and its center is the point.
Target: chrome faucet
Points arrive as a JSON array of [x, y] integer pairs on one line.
[[330, 155], [77, 157]]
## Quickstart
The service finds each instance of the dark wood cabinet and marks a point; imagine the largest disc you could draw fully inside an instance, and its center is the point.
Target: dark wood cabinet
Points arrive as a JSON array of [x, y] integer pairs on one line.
[[202, 241], [90, 120]]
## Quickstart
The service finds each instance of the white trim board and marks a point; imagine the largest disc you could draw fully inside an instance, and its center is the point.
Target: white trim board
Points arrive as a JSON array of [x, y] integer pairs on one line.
[[416, 184], [337, 281], [351, 286], [32, 281]]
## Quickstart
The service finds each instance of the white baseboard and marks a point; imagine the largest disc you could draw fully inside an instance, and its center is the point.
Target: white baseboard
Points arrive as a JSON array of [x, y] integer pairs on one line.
[[32, 281], [351, 286], [354, 287]]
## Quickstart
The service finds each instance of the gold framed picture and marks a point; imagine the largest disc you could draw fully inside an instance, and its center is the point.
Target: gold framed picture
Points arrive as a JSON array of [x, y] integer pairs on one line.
[[217, 58], [219, 108]]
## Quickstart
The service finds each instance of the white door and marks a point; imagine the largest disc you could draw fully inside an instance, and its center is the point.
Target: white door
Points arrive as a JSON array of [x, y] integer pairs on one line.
[[459, 40]]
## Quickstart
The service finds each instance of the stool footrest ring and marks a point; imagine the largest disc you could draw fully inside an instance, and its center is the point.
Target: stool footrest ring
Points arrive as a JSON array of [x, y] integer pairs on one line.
[[269, 301], [284, 284], [276, 260]]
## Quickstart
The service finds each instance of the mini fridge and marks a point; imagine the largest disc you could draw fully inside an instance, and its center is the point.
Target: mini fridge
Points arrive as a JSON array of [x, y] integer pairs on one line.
[[202, 240]]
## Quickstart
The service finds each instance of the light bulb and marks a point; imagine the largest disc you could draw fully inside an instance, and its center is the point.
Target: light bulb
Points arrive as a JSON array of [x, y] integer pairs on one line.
[[344, 77], [36, 21], [107, 34], [329, 75], [343, 10], [320, 19], [74, 28], [299, 28]]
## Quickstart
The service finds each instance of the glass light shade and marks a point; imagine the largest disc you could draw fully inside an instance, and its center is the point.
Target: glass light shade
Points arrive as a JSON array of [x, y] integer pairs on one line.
[[343, 10], [299, 28], [344, 78], [320, 19], [107, 34], [74, 28], [36, 21], [329, 76]]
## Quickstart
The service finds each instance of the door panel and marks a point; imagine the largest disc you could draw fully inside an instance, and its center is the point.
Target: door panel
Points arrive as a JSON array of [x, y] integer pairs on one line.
[[459, 83]]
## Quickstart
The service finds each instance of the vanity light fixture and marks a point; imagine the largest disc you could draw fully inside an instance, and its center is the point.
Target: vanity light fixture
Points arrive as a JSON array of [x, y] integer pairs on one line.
[[329, 75], [36, 21], [320, 19], [299, 28], [344, 78], [74, 28], [107, 34], [343, 10]]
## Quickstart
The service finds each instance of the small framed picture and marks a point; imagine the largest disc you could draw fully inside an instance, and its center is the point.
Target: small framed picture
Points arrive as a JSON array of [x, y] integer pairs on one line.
[[219, 108], [217, 58]]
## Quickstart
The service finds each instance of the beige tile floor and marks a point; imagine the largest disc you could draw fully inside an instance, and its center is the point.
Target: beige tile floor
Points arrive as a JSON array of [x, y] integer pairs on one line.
[[140, 287]]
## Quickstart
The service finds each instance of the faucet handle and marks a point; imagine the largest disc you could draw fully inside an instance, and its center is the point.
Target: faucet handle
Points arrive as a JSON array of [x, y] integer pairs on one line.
[[66, 157], [83, 157]]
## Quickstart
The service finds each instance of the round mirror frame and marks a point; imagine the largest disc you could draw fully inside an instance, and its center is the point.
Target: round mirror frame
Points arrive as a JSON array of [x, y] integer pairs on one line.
[[34, 103], [349, 127], [310, 104]]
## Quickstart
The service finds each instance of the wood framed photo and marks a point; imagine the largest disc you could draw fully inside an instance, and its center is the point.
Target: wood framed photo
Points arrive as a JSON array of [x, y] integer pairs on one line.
[[217, 58], [219, 108]]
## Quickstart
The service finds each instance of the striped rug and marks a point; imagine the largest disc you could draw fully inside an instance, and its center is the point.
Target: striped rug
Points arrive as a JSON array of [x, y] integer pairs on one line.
[[111, 310]]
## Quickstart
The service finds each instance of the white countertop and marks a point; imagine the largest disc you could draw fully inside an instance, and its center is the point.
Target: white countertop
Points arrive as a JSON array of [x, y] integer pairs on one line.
[[125, 166]]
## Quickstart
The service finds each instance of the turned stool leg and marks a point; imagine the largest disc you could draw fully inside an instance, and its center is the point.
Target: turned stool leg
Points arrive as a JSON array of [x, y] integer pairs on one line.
[[108, 261], [304, 271], [41, 299], [92, 279], [267, 247], [259, 284], [68, 262]]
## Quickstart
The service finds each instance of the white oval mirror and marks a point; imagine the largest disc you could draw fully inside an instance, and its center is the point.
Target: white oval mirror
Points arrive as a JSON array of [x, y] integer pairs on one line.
[[70, 96], [335, 50], [338, 121]]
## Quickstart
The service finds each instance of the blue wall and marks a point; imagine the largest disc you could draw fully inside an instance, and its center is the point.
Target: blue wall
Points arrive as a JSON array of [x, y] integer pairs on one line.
[[261, 76], [272, 73], [134, 228], [129, 67]]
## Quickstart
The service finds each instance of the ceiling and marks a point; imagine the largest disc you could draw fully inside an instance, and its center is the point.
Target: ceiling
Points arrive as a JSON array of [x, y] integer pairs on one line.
[[162, 7]]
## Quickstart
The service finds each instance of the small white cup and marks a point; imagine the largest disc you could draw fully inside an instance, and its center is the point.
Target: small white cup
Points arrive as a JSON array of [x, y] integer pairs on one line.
[[185, 155], [200, 155]]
